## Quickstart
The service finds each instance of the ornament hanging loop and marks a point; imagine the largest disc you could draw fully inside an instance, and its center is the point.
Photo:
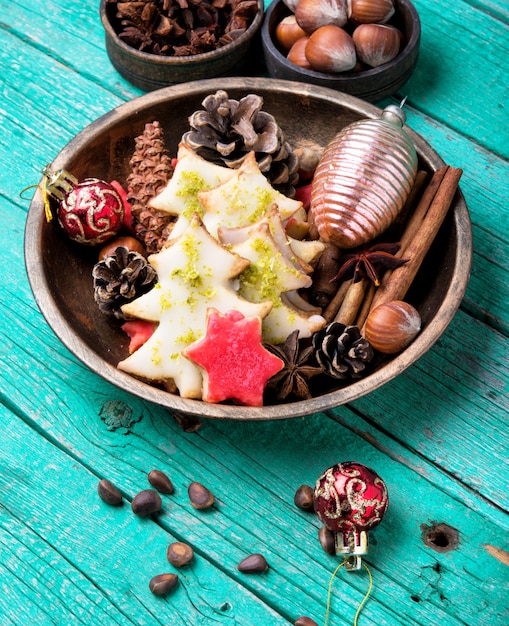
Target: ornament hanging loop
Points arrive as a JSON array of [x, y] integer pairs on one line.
[[352, 545], [59, 183]]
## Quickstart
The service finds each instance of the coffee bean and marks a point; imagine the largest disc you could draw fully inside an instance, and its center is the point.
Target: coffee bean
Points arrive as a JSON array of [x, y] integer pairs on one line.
[[253, 564], [109, 493], [327, 540], [162, 583], [304, 498], [305, 621], [179, 554], [146, 503], [200, 496], [160, 481]]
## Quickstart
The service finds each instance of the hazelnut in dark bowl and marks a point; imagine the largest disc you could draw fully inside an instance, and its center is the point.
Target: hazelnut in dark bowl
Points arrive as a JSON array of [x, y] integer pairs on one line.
[[356, 67], [152, 50]]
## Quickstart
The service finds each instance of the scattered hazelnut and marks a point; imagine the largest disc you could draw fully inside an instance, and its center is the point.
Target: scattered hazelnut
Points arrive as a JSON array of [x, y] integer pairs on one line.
[[160, 481], [199, 496], [305, 621], [109, 493], [327, 540], [179, 554], [162, 583], [146, 503], [252, 564], [303, 498]]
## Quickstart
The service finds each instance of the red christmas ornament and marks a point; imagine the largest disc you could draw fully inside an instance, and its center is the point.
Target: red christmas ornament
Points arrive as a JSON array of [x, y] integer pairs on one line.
[[90, 211], [350, 499]]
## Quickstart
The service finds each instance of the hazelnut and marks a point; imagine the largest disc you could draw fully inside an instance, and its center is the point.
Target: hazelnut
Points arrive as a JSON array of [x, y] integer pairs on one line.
[[370, 11], [376, 44], [297, 54], [390, 327], [291, 4], [131, 243], [331, 49], [288, 32], [312, 14]]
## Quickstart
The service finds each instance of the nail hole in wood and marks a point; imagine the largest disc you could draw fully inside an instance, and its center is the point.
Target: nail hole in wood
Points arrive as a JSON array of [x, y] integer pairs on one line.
[[440, 537]]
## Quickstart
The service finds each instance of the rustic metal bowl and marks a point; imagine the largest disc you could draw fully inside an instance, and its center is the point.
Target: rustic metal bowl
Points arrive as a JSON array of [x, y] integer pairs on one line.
[[60, 272], [151, 71], [373, 84]]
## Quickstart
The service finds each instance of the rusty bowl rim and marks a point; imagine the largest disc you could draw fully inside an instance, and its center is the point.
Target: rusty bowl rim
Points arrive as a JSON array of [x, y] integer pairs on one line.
[[64, 331], [342, 78], [172, 61]]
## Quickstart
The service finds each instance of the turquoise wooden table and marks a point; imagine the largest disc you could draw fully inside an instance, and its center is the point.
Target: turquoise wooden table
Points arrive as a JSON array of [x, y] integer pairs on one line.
[[437, 434]]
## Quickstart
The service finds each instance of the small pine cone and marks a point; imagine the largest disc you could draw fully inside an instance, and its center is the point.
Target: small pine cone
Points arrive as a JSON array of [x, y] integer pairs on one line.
[[120, 278], [151, 170], [341, 351], [227, 130]]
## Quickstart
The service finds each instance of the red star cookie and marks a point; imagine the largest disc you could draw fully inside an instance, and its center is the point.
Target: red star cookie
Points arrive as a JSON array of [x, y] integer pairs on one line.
[[236, 365]]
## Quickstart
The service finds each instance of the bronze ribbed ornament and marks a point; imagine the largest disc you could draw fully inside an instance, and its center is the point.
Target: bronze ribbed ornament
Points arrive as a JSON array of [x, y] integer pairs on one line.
[[363, 179]]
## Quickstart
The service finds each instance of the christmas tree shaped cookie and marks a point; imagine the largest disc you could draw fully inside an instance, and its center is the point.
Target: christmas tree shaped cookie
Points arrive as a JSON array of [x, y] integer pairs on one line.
[[192, 175], [271, 274], [299, 253], [234, 362], [243, 199], [194, 273]]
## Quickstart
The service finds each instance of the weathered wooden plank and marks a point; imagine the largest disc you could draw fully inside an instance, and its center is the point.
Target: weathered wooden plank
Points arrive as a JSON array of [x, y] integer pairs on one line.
[[72, 34], [74, 560], [269, 462], [451, 82]]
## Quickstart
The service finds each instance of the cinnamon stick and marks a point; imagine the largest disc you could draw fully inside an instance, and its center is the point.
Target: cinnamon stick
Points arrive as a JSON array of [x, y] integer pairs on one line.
[[420, 179], [401, 278], [352, 302], [366, 305], [334, 305], [415, 222]]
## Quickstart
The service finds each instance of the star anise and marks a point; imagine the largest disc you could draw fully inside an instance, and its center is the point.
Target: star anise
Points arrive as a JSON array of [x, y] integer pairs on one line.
[[292, 379], [368, 262]]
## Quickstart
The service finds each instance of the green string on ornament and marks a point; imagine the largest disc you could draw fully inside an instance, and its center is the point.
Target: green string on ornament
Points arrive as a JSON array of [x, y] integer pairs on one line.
[[364, 600], [45, 197]]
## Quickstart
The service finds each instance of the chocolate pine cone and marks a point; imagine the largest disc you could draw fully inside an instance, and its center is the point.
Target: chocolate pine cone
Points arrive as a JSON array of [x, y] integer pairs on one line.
[[151, 170]]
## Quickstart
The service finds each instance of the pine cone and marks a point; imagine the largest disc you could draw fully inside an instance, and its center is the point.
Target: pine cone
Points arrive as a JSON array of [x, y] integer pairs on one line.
[[120, 278], [342, 351], [227, 130], [151, 170]]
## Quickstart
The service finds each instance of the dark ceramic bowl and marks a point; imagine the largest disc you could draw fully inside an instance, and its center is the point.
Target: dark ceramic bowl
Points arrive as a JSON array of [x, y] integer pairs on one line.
[[373, 84], [104, 148], [151, 71]]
